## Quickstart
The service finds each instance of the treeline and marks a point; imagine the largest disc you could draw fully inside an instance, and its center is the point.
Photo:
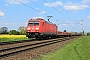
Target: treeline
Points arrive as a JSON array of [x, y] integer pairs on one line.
[[88, 34], [21, 31]]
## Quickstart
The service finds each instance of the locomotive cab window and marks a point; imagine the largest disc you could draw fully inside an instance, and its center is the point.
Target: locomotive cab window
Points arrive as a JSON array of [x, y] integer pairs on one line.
[[33, 23], [36, 23]]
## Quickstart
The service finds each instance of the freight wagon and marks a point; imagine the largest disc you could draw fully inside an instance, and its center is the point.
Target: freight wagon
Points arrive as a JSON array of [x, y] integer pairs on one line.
[[63, 34]]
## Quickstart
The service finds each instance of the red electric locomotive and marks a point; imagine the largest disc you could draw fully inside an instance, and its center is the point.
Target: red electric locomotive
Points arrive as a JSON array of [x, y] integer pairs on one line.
[[39, 28]]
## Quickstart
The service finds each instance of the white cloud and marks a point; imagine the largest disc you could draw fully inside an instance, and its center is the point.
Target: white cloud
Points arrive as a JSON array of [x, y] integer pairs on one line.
[[89, 17], [69, 5], [1, 13], [85, 1], [16, 1], [43, 12], [57, 3], [75, 6], [6, 4]]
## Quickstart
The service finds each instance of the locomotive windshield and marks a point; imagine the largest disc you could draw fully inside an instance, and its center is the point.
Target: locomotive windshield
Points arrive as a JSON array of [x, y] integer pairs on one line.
[[33, 23]]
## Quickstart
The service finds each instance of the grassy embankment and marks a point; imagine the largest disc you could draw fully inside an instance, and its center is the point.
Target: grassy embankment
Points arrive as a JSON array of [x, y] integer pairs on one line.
[[7, 38], [77, 50]]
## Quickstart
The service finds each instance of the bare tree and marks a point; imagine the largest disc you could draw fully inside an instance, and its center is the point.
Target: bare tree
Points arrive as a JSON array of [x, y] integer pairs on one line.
[[22, 30]]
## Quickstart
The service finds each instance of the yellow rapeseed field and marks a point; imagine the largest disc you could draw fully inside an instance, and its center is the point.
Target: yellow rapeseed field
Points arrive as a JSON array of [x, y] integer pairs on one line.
[[12, 36]]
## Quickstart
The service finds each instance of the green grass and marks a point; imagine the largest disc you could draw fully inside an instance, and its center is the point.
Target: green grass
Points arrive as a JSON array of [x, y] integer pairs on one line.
[[77, 50]]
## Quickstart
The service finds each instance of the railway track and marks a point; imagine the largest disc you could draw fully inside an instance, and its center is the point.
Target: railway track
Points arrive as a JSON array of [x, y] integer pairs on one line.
[[7, 51], [23, 41]]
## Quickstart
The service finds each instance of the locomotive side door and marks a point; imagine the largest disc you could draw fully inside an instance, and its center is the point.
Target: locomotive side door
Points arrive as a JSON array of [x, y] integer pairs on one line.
[[43, 27]]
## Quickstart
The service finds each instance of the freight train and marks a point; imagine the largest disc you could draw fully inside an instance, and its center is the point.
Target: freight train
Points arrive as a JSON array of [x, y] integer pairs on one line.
[[40, 29]]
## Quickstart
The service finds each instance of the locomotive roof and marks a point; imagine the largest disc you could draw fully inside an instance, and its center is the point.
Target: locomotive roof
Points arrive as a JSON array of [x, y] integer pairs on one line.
[[38, 19]]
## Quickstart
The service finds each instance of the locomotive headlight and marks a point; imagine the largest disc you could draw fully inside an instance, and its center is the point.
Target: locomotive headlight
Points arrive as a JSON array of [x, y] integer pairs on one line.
[[37, 28], [28, 28]]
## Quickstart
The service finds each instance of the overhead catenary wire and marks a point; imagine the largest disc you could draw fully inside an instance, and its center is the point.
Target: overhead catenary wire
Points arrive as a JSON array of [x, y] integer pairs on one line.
[[42, 8], [27, 5], [32, 7], [56, 9], [36, 4], [63, 9], [69, 16], [60, 13]]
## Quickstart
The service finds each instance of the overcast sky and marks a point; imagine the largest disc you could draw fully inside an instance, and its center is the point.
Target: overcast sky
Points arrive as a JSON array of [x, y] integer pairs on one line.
[[67, 14]]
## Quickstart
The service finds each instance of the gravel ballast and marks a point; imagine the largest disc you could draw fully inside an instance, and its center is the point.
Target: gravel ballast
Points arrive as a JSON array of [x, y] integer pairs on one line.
[[35, 53]]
